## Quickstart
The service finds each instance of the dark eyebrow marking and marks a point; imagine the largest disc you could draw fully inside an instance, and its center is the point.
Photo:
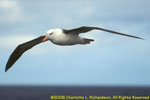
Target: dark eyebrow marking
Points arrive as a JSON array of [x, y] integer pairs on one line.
[[51, 33]]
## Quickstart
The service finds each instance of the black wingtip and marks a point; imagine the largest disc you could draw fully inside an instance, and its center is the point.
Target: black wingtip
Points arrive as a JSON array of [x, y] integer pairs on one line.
[[140, 38], [7, 67], [6, 70]]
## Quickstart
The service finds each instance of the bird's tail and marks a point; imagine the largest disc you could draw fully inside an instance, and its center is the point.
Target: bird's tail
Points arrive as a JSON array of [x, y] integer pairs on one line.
[[87, 41]]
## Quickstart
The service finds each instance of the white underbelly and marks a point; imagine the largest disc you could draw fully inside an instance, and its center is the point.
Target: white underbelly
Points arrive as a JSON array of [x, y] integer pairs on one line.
[[67, 40]]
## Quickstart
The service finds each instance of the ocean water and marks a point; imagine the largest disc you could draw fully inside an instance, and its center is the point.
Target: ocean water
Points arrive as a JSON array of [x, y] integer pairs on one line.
[[66, 92]]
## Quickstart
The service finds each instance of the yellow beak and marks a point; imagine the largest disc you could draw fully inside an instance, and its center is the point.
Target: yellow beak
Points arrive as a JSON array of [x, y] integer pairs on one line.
[[45, 38]]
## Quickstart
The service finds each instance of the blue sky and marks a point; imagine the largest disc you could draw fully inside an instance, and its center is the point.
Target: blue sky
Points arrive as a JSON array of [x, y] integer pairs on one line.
[[109, 60]]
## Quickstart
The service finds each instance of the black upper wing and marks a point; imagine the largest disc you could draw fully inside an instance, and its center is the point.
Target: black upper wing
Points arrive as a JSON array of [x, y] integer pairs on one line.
[[21, 49], [84, 29]]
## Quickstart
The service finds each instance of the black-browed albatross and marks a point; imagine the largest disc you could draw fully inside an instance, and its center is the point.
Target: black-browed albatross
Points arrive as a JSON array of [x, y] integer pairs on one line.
[[59, 37]]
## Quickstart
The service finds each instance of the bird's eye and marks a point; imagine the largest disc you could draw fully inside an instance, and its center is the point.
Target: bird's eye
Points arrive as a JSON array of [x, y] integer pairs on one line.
[[51, 33]]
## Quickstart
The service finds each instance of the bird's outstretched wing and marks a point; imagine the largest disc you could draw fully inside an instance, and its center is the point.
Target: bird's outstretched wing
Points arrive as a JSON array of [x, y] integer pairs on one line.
[[21, 49], [85, 29]]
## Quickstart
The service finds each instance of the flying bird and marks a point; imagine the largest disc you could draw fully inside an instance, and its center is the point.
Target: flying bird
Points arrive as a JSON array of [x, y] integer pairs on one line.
[[59, 37]]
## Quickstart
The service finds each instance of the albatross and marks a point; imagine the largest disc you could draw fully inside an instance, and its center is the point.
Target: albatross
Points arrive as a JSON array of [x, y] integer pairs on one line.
[[61, 37]]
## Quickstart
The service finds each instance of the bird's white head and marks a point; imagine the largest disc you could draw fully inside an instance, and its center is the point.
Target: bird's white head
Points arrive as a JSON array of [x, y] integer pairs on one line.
[[52, 33]]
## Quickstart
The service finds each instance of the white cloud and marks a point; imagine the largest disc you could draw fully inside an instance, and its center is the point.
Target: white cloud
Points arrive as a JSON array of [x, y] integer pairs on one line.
[[7, 42], [10, 11], [6, 4], [11, 41]]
